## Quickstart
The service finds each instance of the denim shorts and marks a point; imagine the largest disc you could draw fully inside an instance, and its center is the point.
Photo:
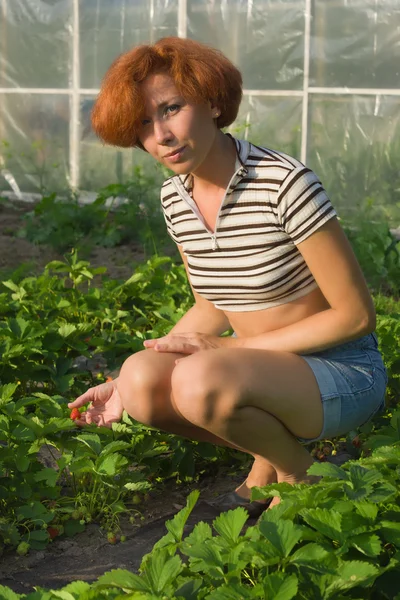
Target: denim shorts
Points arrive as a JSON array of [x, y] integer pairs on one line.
[[352, 380]]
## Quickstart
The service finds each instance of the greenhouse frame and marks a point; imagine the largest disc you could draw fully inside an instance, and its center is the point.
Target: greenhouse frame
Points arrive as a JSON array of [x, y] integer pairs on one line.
[[321, 82]]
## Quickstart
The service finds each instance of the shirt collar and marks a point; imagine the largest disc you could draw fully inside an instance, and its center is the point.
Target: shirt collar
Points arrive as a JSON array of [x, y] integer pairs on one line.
[[242, 152]]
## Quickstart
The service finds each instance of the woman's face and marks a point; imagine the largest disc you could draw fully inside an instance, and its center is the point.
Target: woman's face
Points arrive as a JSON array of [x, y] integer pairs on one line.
[[177, 134]]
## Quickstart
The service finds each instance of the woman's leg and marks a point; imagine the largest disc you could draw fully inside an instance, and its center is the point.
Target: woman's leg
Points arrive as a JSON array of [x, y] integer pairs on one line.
[[144, 384], [257, 400]]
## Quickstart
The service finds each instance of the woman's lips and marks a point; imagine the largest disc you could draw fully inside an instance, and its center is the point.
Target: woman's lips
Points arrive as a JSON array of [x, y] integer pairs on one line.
[[176, 156]]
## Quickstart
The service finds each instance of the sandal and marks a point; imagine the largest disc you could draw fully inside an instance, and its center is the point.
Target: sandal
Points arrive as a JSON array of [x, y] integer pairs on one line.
[[231, 500]]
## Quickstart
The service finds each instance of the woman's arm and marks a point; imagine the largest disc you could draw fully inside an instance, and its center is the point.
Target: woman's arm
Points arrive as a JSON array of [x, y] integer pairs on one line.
[[351, 315]]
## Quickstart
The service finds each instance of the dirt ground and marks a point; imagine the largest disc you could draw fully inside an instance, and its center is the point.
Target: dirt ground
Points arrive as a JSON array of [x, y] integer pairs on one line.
[[88, 555], [14, 251]]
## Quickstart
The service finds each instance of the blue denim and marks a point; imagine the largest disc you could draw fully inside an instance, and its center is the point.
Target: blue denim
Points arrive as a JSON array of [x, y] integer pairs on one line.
[[352, 380]]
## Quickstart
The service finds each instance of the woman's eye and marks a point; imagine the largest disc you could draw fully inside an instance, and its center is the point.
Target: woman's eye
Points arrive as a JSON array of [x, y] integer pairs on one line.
[[145, 122], [172, 108]]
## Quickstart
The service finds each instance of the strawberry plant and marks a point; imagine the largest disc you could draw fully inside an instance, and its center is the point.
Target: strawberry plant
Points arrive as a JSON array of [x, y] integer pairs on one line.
[[337, 539]]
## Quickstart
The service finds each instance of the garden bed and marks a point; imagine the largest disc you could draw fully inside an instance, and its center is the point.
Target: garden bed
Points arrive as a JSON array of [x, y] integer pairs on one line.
[[145, 305], [16, 251]]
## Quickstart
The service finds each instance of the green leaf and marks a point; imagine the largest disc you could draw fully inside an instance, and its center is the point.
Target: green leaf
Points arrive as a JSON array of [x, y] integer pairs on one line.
[[177, 524], [11, 285], [367, 510], [280, 586], [72, 527], [7, 594], [66, 329], [38, 535], [64, 383], [83, 464], [283, 535], [62, 594], [48, 475], [201, 532], [78, 588], [232, 591], [114, 447], [138, 486], [22, 463], [189, 590], [161, 570], [133, 279], [111, 465], [328, 470], [368, 544], [383, 493], [207, 558], [315, 557], [123, 579], [92, 441], [391, 532], [327, 522], [361, 477], [353, 574], [7, 392], [230, 524], [385, 455], [33, 510]]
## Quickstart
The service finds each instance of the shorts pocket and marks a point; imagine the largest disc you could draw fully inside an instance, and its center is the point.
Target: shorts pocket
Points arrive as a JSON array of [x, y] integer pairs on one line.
[[358, 373]]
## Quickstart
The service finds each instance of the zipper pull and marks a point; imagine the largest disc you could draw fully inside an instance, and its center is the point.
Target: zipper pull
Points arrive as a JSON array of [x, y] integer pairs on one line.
[[214, 242]]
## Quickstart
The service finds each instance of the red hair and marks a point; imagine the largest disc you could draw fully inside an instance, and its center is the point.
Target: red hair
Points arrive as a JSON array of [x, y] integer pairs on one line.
[[200, 73]]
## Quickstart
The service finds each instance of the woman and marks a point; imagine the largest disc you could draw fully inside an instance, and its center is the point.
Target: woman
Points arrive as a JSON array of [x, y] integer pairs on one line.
[[265, 256]]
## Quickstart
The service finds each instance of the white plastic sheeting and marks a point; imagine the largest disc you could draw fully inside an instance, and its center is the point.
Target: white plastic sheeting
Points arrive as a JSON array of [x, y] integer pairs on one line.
[[321, 78]]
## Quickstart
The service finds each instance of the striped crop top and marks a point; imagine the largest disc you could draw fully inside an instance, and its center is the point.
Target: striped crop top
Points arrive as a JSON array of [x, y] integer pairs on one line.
[[250, 262]]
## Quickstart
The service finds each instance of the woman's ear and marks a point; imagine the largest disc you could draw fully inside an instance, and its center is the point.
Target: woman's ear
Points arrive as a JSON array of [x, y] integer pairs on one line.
[[215, 111]]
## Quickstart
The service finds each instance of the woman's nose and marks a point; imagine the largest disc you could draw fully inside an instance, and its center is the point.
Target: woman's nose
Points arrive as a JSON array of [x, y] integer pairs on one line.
[[162, 132]]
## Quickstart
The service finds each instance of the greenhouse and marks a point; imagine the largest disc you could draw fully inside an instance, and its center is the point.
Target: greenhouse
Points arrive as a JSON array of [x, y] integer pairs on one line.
[[199, 299], [321, 82]]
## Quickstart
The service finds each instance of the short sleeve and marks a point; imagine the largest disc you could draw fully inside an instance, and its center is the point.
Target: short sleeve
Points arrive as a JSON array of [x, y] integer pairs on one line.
[[166, 205], [303, 205]]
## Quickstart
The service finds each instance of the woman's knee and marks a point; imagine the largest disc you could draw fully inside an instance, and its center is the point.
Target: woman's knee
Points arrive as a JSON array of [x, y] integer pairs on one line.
[[144, 388], [201, 391]]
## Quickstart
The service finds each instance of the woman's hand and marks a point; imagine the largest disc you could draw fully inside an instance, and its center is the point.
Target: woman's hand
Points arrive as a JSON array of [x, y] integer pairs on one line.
[[186, 343], [105, 405]]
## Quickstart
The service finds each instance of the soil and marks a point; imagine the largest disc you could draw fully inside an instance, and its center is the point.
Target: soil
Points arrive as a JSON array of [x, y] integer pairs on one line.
[[14, 251], [88, 555]]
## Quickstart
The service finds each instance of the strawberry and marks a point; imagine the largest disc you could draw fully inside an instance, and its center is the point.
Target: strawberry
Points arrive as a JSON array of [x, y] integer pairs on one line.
[[356, 442], [108, 379], [123, 538], [136, 499], [75, 414], [23, 548], [53, 532], [111, 538]]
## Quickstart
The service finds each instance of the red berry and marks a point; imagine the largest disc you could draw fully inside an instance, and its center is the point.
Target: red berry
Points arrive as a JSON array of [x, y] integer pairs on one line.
[[53, 532], [75, 414], [356, 442]]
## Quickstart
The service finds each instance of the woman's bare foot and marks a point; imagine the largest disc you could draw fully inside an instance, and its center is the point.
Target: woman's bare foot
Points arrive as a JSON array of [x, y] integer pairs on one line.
[[262, 473], [293, 479]]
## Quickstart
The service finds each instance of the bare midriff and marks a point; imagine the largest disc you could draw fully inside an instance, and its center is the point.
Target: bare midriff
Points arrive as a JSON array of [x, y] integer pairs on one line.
[[252, 323]]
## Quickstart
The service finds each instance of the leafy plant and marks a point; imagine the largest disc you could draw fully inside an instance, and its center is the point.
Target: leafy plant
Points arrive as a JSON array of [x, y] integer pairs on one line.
[[337, 539], [64, 224]]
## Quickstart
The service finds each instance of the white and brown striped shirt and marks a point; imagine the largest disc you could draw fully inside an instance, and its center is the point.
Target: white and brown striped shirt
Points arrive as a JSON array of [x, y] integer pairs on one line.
[[250, 262]]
